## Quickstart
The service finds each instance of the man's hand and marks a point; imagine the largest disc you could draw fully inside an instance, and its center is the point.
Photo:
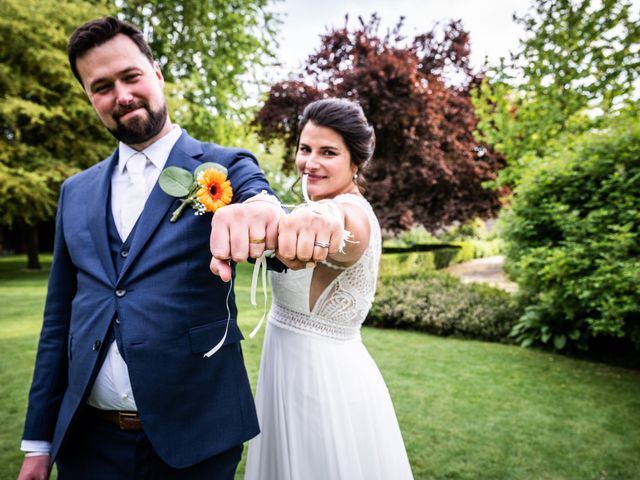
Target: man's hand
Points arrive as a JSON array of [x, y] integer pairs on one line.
[[241, 231], [306, 236], [35, 468]]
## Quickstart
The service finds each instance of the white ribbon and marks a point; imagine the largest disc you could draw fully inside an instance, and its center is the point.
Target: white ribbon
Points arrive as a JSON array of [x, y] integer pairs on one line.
[[226, 330], [305, 194], [261, 263]]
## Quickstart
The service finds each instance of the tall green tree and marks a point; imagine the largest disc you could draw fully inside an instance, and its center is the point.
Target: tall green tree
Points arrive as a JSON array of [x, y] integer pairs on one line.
[[576, 66], [212, 51], [48, 129]]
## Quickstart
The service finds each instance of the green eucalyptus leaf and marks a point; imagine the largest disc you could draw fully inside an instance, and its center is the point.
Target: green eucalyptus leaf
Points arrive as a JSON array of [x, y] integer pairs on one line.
[[176, 181], [208, 165]]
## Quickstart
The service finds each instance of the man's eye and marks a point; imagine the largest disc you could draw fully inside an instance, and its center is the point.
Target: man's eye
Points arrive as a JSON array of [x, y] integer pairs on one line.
[[101, 88], [131, 78]]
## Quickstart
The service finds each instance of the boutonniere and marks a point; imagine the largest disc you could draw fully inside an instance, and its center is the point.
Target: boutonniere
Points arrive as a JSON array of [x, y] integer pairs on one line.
[[205, 190]]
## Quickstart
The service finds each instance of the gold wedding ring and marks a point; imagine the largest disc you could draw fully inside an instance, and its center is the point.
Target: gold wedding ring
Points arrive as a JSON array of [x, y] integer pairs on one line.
[[321, 244], [257, 241]]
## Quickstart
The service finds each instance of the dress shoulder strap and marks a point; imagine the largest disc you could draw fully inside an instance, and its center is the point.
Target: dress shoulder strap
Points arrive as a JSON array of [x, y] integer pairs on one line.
[[362, 202]]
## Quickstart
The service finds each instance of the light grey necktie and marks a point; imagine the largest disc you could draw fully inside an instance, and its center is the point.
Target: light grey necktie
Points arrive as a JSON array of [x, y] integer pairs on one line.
[[135, 195]]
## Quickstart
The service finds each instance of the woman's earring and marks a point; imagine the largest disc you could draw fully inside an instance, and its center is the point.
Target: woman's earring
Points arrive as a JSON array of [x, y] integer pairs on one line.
[[355, 177]]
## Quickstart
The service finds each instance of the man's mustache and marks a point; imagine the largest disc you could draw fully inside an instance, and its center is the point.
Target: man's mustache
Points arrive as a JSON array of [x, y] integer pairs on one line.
[[124, 109]]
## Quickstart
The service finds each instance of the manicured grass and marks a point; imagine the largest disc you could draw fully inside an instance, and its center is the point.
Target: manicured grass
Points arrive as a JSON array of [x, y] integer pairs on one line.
[[467, 410]]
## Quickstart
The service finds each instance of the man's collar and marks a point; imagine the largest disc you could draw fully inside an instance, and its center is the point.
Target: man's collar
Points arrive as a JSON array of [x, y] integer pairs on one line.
[[157, 152]]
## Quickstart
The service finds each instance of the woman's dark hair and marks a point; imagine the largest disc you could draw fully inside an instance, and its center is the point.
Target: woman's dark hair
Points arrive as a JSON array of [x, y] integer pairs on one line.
[[346, 118], [96, 32]]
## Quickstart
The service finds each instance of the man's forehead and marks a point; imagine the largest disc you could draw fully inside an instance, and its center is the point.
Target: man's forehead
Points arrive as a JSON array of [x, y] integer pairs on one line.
[[114, 57], [119, 47]]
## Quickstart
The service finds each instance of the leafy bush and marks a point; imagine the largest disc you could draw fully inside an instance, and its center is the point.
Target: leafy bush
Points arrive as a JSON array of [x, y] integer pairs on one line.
[[440, 304], [572, 241]]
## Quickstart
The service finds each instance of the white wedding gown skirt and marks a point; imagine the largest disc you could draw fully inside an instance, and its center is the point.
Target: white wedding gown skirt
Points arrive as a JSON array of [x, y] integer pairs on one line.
[[325, 412]]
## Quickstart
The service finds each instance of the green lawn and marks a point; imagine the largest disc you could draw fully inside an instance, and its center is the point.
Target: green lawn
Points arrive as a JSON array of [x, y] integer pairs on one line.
[[468, 410]]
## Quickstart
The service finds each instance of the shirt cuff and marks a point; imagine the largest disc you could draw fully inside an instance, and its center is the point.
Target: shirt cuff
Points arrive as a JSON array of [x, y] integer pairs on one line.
[[40, 447]]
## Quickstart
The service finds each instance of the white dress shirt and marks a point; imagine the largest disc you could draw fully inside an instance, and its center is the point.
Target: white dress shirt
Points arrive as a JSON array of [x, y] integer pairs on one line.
[[112, 388]]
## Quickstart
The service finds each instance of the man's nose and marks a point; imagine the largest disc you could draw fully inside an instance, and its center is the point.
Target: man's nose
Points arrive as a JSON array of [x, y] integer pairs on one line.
[[123, 94]]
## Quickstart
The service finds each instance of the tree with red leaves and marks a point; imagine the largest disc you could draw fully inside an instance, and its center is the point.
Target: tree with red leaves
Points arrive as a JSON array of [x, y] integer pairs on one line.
[[428, 168]]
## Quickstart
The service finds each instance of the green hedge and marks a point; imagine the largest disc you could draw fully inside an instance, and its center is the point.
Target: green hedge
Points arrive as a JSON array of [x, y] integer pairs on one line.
[[572, 241], [473, 238], [438, 303]]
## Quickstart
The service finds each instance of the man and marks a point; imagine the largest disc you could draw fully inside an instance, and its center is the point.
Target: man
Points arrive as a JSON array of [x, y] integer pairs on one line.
[[120, 387]]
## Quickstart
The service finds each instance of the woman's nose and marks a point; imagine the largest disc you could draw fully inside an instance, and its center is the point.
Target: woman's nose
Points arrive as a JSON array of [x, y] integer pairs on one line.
[[312, 163]]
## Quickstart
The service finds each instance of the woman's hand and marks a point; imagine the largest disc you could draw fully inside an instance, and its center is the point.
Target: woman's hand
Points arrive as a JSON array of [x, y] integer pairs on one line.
[[307, 235]]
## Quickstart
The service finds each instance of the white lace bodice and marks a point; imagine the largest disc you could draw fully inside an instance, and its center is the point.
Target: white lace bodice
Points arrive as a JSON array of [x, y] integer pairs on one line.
[[343, 305]]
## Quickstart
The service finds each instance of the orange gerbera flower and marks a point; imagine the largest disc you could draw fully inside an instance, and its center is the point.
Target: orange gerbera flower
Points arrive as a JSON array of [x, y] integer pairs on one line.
[[215, 190]]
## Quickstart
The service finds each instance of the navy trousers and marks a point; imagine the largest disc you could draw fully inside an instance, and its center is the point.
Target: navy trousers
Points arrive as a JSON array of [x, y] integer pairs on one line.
[[99, 450]]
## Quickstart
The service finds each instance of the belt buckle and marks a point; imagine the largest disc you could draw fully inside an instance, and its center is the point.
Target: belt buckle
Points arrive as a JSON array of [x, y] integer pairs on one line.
[[124, 416]]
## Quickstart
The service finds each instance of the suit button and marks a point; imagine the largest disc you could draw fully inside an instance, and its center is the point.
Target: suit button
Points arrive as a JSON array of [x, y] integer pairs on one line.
[[96, 345], [124, 253], [117, 321], [121, 292]]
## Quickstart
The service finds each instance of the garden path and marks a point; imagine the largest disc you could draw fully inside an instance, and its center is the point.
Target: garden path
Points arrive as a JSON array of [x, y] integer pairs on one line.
[[489, 270]]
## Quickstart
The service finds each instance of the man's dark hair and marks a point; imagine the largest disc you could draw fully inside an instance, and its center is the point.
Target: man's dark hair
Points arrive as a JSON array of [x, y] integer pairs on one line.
[[96, 32]]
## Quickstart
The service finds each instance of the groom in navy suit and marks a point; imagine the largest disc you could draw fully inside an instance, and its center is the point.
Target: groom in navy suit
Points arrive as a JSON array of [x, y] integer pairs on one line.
[[120, 387]]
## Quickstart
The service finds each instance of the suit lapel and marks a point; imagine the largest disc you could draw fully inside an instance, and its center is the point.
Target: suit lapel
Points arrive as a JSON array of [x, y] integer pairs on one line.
[[159, 203], [97, 205]]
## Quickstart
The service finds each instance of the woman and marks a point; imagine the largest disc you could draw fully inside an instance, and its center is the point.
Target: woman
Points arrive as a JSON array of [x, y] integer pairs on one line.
[[324, 409]]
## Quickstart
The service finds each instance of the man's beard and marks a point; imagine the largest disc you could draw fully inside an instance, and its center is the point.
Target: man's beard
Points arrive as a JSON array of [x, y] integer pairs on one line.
[[138, 131]]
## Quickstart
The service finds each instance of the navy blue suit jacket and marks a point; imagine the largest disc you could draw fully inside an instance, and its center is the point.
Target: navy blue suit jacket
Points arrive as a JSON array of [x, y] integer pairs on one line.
[[172, 311]]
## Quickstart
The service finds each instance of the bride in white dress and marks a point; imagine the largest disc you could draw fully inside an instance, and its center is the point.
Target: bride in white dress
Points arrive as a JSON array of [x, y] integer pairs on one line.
[[325, 412]]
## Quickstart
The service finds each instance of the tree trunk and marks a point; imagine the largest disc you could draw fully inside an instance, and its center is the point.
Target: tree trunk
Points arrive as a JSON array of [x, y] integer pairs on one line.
[[31, 242]]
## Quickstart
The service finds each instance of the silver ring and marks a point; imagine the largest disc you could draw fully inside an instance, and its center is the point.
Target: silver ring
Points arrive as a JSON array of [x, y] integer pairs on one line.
[[321, 244]]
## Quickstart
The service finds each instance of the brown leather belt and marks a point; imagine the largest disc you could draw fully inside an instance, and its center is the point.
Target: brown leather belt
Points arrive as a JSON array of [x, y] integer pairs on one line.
[[128, 421]]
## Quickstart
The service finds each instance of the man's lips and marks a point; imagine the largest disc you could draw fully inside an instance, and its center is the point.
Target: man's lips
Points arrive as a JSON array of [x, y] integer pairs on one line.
[[128, 113]]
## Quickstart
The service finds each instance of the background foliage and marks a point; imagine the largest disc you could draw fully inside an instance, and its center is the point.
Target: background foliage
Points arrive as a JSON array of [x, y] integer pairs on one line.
[[438, 303], [210, 50], [428, 168], [576, 65], [573, 239], [48, 129]]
